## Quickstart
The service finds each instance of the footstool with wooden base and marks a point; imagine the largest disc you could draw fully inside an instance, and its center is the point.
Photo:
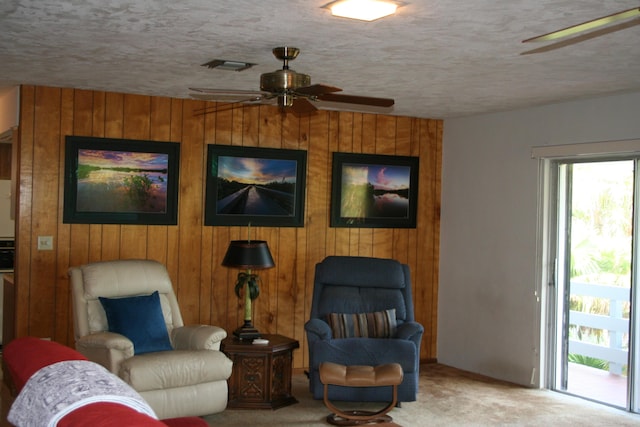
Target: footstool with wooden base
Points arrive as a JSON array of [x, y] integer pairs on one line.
[[360, 376]]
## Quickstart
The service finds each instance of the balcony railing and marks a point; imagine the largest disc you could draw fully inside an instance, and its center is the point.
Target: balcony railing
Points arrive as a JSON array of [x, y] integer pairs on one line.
[[617, 326]]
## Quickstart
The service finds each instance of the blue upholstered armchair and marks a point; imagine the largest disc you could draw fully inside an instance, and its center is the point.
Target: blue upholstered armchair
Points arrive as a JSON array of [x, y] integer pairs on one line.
[[347, 292]]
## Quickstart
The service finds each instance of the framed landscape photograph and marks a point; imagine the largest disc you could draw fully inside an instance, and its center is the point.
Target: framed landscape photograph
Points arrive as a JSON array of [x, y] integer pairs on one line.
[[257, 186], [118, 181], [370, 190]]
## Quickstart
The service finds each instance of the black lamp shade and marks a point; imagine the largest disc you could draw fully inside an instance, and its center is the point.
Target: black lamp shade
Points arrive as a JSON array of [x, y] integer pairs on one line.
[[254, 255]]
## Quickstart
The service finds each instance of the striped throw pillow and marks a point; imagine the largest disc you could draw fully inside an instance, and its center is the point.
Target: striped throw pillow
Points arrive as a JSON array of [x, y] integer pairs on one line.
[[381, 324]]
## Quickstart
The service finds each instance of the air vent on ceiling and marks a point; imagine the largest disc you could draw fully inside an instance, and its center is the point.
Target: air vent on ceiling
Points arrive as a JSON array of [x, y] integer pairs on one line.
[[223, 64]]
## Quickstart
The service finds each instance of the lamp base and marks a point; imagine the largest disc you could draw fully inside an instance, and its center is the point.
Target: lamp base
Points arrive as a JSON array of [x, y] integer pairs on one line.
[[246, 331]]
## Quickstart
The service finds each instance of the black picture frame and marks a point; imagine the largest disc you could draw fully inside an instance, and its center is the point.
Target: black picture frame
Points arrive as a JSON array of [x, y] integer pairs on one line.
[[235, 173], [120, 181], [374, 191]]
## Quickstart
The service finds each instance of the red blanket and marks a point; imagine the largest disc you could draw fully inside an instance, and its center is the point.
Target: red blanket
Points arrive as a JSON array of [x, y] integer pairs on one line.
[[25, 356]]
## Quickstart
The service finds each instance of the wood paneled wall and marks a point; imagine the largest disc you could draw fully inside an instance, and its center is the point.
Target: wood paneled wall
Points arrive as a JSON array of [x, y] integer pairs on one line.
[[193, 252]]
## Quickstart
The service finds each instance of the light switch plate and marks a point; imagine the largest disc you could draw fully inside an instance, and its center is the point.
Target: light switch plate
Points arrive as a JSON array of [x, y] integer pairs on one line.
[[45, 243]]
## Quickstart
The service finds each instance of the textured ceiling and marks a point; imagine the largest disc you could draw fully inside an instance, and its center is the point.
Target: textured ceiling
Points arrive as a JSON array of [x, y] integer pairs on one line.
[[436, 58]]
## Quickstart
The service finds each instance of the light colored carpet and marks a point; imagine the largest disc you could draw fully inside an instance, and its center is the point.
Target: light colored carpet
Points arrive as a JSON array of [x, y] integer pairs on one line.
[[448, 397]]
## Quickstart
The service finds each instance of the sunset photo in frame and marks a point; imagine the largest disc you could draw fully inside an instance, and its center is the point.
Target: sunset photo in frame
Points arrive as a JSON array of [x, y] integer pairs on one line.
[[119, 181], [257, 186], [370, 190]]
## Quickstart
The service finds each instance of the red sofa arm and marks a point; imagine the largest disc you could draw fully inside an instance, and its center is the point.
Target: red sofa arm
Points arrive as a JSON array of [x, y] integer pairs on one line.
[[24, 356]]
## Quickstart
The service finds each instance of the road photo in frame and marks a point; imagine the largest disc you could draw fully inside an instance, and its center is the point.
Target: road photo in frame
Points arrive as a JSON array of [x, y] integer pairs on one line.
[[257, 186]]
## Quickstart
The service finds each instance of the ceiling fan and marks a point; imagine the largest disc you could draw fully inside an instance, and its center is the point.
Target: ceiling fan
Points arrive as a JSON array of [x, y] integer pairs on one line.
[[578, 33], [292, 91]]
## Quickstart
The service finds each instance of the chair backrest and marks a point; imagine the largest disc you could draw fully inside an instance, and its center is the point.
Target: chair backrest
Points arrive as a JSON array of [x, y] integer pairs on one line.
[[117, 279], [347, 284]]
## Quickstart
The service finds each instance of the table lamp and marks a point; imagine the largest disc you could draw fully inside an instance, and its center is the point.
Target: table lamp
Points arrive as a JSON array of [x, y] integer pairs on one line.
[[248, 255]]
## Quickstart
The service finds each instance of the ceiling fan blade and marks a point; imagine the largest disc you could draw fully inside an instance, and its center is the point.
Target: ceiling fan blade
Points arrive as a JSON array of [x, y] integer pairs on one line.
[[316, 90], [223, 97], [227, 91], [583, 37], [224, 102], [302, 106], [355, 99], [217, 108], [585, 26]]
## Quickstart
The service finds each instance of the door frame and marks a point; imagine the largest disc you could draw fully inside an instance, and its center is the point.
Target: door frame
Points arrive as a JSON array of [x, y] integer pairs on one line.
[[546, 242]]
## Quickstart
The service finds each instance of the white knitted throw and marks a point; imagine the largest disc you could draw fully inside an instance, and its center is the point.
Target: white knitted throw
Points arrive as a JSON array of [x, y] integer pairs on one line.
[[58, 389]]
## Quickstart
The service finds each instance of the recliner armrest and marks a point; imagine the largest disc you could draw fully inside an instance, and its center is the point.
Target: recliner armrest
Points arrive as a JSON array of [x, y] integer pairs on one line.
[[106, 348], [197, 337], [410, 331], [318, 329]]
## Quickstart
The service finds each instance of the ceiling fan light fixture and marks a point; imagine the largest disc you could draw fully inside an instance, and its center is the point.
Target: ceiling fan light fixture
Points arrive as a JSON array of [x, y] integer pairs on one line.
[[363, 10], [285, 100]]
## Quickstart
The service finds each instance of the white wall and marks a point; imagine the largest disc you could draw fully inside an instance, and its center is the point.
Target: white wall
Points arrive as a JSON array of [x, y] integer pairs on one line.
[[488, 316]]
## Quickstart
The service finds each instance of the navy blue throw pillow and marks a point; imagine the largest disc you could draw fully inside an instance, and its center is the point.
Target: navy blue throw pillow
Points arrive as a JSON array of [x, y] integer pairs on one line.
[[140, 319]]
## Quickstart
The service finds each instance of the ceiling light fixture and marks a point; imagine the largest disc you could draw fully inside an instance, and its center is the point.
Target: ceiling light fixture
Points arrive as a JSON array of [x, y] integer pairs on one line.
[[364, 10]]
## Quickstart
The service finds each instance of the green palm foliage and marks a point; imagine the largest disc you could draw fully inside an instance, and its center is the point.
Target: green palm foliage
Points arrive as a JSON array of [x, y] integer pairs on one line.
[[249, 279], [589, 361], [601, 236]]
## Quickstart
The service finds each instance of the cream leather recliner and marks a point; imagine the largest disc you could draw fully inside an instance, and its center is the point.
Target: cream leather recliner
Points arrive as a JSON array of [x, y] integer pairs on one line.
[[190, 380]]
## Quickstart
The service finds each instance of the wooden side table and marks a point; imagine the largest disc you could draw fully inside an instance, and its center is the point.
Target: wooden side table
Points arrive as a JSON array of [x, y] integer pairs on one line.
[[261, 376]]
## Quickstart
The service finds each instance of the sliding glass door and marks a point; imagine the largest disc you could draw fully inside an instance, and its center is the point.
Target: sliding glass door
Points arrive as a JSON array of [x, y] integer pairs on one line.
[[593, 328]]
